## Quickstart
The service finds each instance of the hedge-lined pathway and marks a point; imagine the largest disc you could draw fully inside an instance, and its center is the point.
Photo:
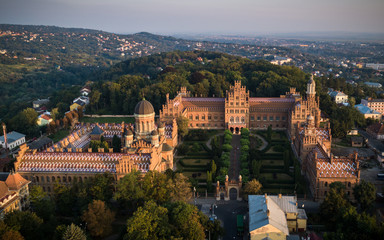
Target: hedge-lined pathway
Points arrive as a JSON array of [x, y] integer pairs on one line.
[[265, 143], [208, 143], [234, 167]]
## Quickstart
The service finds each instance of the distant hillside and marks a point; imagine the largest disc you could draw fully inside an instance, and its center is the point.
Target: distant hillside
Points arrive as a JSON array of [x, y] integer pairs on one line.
[[36, 61], [118, 89]]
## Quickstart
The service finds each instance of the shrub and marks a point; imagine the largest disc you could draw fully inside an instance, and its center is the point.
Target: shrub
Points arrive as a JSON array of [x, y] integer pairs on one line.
[[227, 147]]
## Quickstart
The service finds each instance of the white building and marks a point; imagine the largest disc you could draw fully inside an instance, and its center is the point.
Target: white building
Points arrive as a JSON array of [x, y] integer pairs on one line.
[[338, 96], [14, 139]]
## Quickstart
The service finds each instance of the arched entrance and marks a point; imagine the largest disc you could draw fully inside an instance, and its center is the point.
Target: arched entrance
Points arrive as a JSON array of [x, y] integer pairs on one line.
[[231, 129], [233, 194], [237, 130], [221, 196]]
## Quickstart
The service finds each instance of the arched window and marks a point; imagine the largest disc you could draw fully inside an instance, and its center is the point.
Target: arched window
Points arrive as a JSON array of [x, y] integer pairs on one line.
[[148, 126], [349, 184], [37, 178], [231, 120], [242, 119], [237, 119], [326, 184], [53, 179]]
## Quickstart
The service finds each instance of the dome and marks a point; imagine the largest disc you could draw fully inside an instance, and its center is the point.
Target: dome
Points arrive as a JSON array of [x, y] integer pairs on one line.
[[144, 107], [154, 133], [129, 133]]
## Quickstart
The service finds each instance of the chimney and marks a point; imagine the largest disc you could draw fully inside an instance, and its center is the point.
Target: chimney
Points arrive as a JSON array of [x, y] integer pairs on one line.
[[5, 136]]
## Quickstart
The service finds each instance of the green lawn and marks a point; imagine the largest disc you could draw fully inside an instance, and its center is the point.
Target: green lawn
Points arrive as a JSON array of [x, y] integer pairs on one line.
[[108, 120], [280, 176], [273, 162], [197, 162], [59, 135]]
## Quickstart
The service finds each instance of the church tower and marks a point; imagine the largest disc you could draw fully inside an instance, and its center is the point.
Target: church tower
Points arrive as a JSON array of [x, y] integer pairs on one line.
[[144, 119]]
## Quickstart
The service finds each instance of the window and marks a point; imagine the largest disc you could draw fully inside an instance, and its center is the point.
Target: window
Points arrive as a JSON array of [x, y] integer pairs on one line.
[[242, 111], [277, 118], [252, 118], [237, 98], [326, 184], [44, 189], [236, 111], [37, 178], [222, 118], [215, 117], [197, 117], [265, 118], [53, 179], [271, 118], [190, 117], [209, 117], [242, 120], [69, 179], [237, 119], [231, 103], [283, 118], [349, 184], [237, 104], [231, 111], [242, 104], [203, 117], [64, 179], [49, 189], [231, 120], [203, 125], [47, 179], [258, 118]]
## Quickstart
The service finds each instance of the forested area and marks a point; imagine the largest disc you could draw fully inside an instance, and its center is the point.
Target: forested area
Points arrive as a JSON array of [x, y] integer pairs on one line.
[[141, 207]]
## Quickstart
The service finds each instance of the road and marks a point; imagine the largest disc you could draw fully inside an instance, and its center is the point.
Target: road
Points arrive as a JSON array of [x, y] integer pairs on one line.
[[234, 167]]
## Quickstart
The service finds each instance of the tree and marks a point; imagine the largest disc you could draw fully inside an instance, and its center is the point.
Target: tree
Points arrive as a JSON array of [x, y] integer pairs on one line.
[[73, 232], [182, 126], [252, 187], [27, 223], [181, 189], [365, 194], [12, 235], [213, 168], [41, 204], [148, 222], [129, 190], [98, 218], [116, 143], [186, 221], [333, 205]]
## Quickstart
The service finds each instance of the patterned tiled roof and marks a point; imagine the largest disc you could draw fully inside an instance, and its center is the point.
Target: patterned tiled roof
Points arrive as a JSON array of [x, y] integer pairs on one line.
[[79, 162], [338, 168]]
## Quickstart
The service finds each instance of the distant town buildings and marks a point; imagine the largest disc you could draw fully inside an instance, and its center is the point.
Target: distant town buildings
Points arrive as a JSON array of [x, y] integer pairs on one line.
[[277, 60], [12, 139], [375, 66], [368, 112], [339, 97], [374, 104], [44, 119], [40, 104], [373, 84], [376, 130]]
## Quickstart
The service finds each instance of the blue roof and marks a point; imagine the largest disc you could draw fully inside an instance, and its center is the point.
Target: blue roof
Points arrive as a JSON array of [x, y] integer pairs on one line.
[[12, 136], [97, 131], [365, 110]]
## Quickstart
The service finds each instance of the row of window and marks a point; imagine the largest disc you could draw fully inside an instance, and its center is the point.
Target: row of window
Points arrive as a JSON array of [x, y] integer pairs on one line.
[[203, 125], [237, 111], [59, 179], [197, 117], [265, 126], [346, 184], [265, 118]]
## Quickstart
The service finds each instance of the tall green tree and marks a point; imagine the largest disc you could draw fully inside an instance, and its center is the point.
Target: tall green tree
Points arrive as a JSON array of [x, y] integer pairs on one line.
[[182, 126], [73, 232], [27, 223], [99, 219], [365, 194]]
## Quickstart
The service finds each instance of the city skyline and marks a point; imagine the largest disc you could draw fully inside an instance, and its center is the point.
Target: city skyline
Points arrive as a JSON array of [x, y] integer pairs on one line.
[[220, 17]]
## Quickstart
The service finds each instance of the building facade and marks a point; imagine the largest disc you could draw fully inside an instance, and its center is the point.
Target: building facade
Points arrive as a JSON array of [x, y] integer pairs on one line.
[[238, 110], [374, 104], [145, 146], [12, 139], [14, 193]]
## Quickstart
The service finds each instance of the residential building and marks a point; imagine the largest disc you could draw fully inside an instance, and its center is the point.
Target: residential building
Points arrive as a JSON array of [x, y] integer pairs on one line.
[[44, 119], [41, 144], [76, 104], [37, 104], [376, 66], [373, 84], [339, 97], [14, 193], [85, 91], [266, 219], [357, 141], [374, 104], [376, 130], [12, 139], [368, 112]]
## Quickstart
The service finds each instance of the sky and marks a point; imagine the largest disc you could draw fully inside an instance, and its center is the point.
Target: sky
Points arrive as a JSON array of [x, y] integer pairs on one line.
[[200, 16]]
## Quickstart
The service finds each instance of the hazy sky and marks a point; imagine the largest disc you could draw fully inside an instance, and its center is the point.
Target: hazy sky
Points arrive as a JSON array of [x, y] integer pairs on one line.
[[200, 16]]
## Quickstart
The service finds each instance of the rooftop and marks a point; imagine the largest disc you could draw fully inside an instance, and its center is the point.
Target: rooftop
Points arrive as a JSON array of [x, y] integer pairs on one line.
[[12, 136]]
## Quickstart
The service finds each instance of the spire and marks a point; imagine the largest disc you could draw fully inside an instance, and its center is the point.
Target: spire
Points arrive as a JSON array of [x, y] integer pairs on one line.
[[311, 86]]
